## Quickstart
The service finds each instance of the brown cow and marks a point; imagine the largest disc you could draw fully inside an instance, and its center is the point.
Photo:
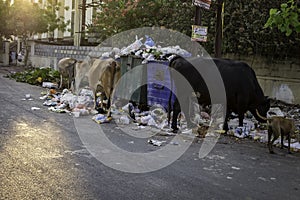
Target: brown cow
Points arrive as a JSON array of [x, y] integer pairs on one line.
[[106, 73], [66, 67], [81, 71]]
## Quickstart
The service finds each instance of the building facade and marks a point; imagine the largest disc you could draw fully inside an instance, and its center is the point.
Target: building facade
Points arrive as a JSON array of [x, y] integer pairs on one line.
[[78, 12]]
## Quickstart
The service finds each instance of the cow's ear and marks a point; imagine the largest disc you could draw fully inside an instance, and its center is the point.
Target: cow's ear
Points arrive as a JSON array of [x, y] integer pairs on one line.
[[113, 64]]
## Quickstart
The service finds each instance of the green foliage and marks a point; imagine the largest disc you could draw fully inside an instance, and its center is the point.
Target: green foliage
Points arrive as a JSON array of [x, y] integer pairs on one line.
[[52, 19], [4, 14], [26, 18], [118, 16], [244, 21], [286, 19], [244, 32], [36, 76]]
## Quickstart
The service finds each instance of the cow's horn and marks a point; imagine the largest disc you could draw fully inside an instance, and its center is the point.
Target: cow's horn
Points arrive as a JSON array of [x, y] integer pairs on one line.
[[264, 118]]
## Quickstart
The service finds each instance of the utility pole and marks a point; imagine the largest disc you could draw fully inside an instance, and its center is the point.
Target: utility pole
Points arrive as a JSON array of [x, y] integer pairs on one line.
[[198, 16], [219, 31], [195, 47], [83, 14], [77, 23]]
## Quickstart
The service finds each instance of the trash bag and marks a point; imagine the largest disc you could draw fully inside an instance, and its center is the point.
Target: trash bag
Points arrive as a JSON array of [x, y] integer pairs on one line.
[[149, 42], [132, 47]]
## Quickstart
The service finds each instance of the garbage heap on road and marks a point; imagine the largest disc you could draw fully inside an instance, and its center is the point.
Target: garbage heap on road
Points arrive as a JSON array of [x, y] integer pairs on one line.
[[67, 102], [157, 117]]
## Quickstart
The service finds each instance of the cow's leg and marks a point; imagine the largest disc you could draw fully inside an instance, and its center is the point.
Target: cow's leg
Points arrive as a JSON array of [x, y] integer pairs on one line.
[[241, 118], [61, 81], [108, 103], [72, 86], [95, 98], [281, 139], [78, 80], [176, 111], [273, 140], [184, 107], [72, 83], [100, 107], [76, 85], [70, 80], [225, 126], [289, 142], [187, 112], [108, 107], [270, 145], [69, 85], [241, 108]]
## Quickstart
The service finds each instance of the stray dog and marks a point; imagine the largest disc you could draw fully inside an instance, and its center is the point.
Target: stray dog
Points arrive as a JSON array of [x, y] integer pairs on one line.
[[280, 126]]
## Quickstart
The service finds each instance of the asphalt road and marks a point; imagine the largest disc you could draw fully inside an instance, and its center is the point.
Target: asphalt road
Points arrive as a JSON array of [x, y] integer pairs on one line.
[[43, 157]]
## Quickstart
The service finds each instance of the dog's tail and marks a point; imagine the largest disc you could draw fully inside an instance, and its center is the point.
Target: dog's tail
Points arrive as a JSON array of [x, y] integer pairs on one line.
[[262, 117]]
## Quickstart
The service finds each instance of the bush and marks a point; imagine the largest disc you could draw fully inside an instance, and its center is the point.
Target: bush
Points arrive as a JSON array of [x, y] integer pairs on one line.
[[35, 76]]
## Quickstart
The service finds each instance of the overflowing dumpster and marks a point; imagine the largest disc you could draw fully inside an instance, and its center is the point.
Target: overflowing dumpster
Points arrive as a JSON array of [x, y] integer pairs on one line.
[[145, 83]]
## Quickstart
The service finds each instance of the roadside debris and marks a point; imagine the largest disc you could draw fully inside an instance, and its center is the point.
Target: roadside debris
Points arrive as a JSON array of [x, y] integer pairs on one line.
[[35, 108], [100, 119], [156, 142], [27, 98], [49, 85]]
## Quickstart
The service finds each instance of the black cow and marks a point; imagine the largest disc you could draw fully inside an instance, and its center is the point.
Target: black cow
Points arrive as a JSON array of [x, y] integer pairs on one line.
[[243, 92]]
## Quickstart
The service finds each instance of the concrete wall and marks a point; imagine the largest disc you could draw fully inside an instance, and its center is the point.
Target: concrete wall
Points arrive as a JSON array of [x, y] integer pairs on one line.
[[279, 79], [42, 55]]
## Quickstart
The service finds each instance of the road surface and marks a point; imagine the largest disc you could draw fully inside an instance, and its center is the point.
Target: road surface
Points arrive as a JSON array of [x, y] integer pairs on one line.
[[43, 157]]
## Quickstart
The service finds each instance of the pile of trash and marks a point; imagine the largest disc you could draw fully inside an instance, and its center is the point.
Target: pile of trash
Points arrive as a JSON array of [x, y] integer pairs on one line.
[[148, 51], [67, 102], [157, 117]]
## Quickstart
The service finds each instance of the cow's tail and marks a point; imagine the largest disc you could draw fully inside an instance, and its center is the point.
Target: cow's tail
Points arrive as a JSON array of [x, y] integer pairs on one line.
[[170, 105]]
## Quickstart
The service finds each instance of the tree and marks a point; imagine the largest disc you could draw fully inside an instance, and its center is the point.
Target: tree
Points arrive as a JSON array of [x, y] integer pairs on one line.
[[286, 19], [118, 16], [244, 32], [4, 14], [54, 21], [26, 19]]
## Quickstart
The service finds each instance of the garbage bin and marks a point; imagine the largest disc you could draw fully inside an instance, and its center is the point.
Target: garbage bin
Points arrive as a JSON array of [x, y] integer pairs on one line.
[[131, 83], [155, 73], [159, 84]]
